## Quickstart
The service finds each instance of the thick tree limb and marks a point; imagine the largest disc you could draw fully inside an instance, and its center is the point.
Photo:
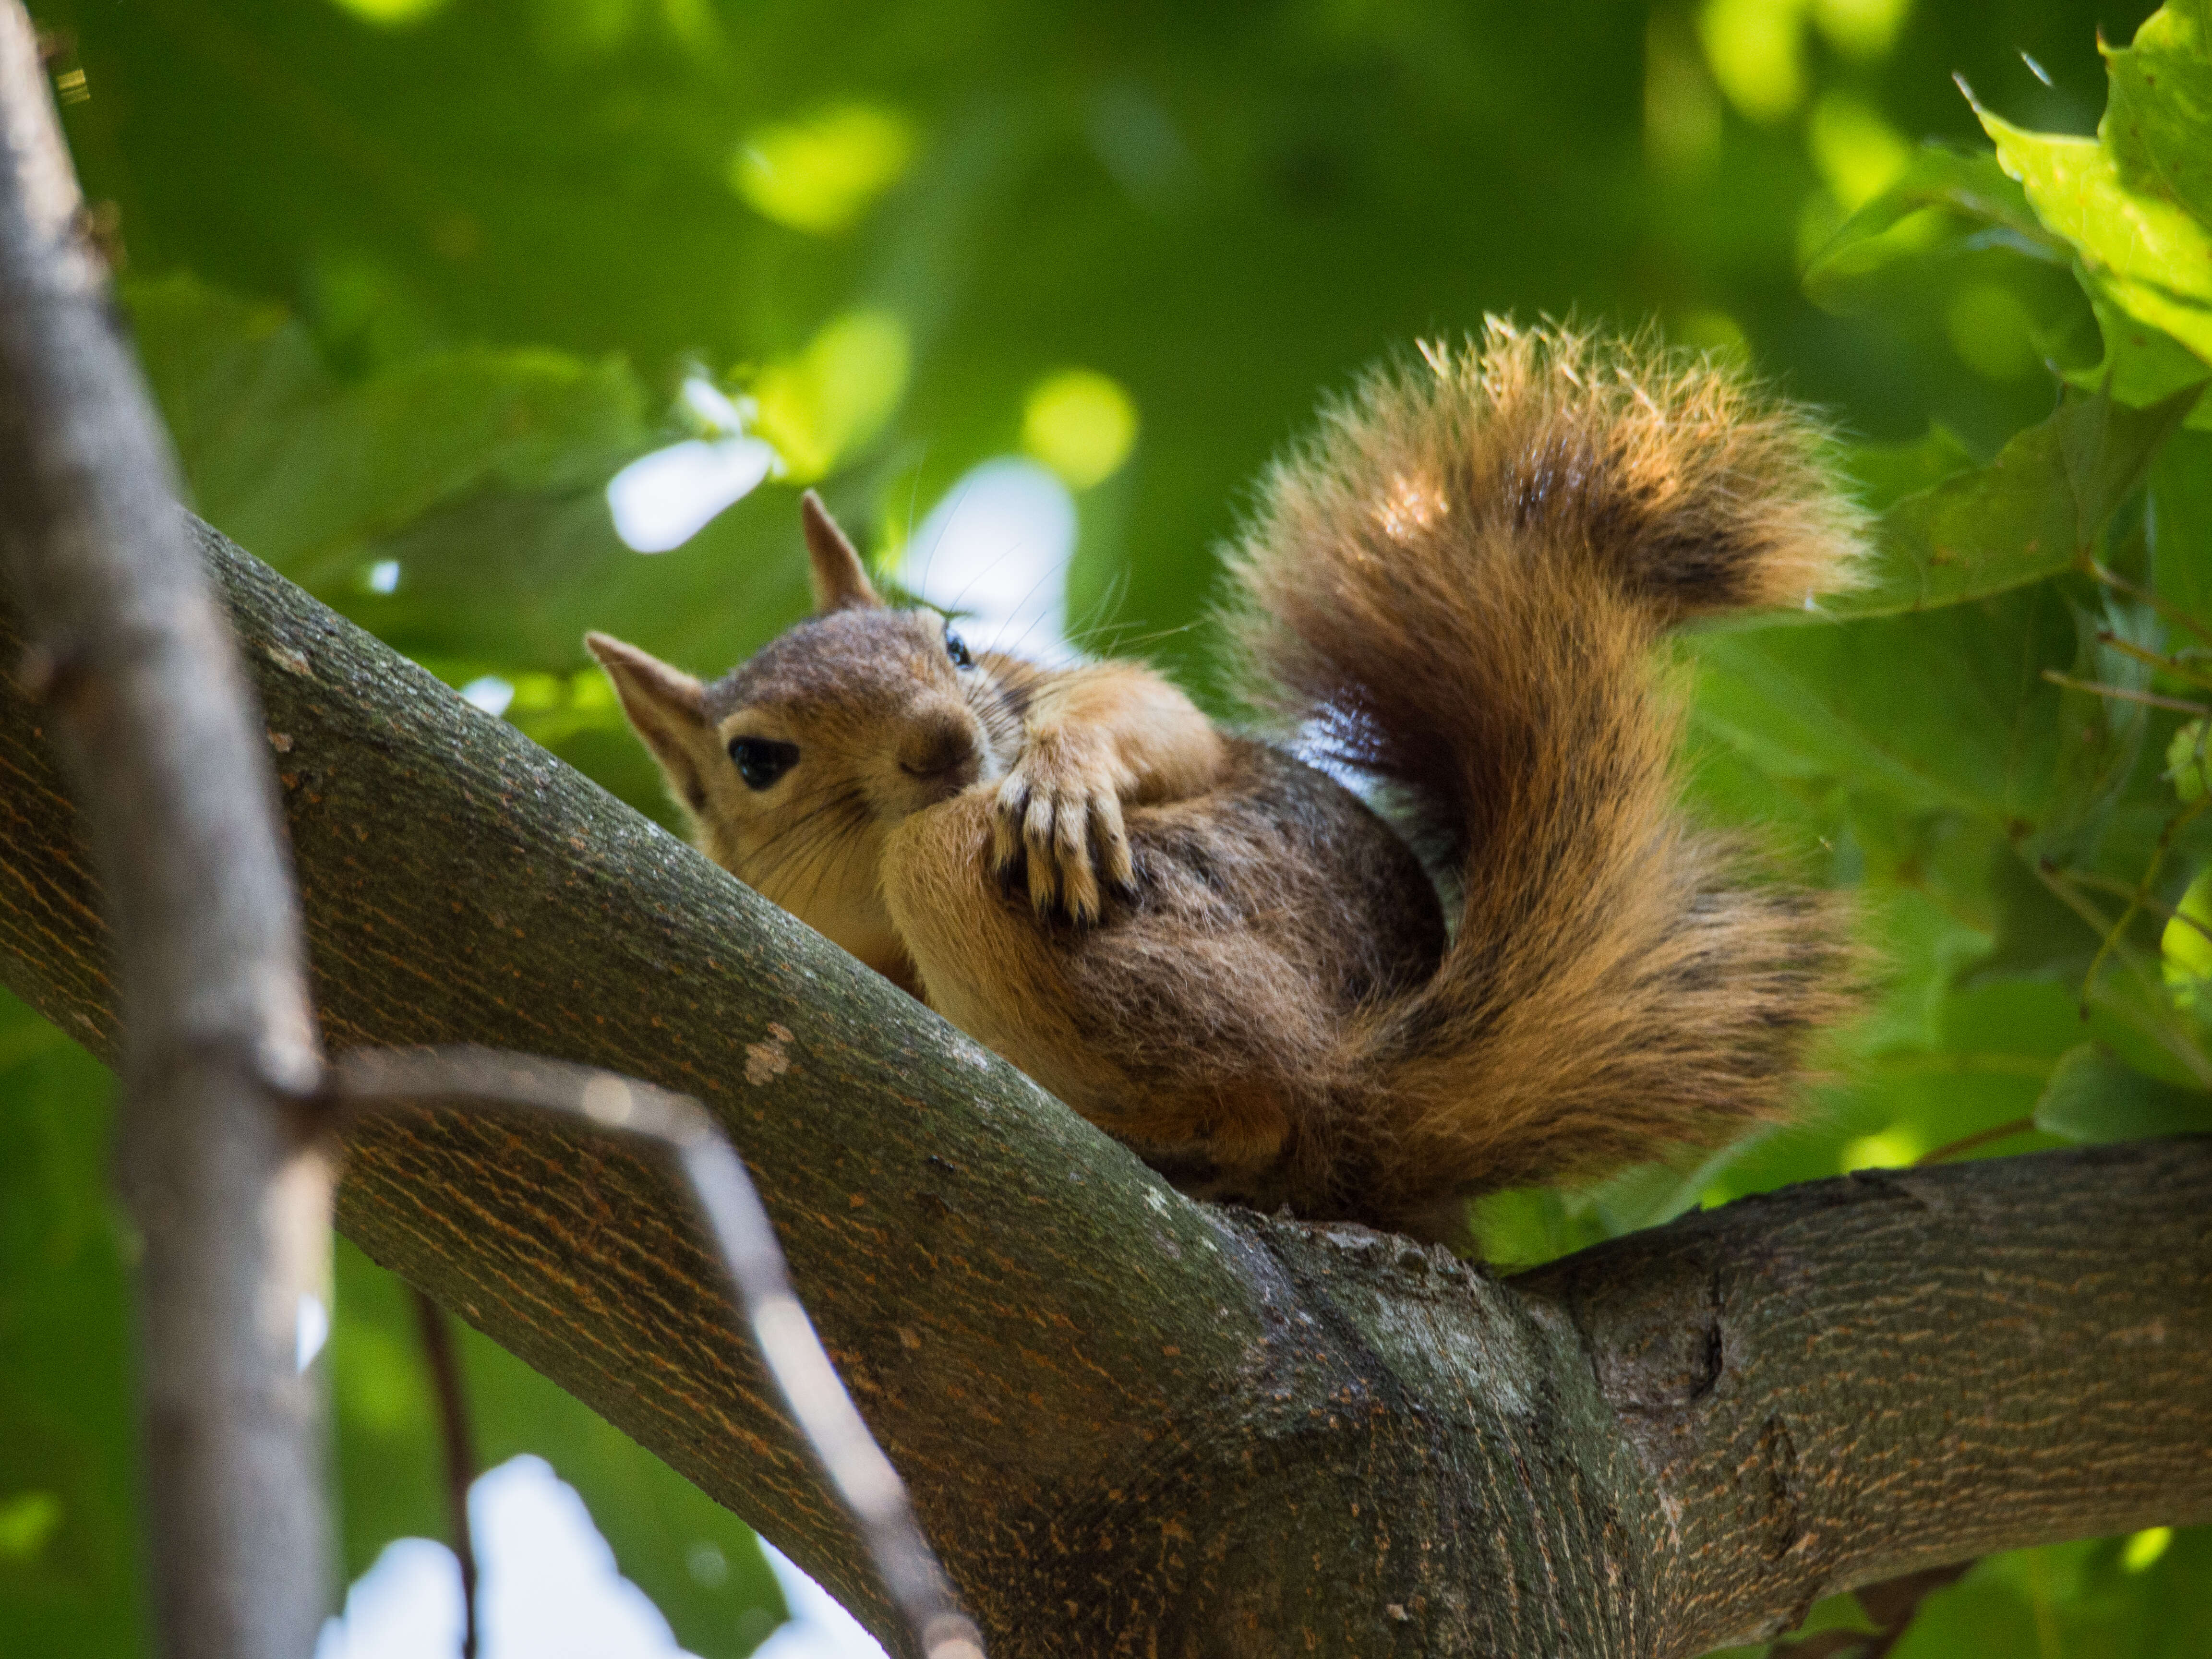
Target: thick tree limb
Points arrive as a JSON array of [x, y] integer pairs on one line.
[[131, 650], [1134, 1423], [1872, 1376]]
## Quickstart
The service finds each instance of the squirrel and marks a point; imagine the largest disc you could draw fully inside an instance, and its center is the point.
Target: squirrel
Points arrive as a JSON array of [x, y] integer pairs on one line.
[[1224, 956]]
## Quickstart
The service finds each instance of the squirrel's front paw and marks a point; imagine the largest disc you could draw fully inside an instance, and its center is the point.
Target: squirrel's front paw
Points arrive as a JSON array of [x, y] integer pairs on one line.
[[1059, 814]]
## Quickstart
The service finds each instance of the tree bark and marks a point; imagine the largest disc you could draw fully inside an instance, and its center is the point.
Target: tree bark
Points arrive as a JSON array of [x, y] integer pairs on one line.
[[1134, 1423], [1859, 1379], [131, 647]]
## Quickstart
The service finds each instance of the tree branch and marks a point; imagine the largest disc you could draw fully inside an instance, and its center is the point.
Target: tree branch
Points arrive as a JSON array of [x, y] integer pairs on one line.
[[1903, 1369], [1131, 1423], [133, 654], [379, 1080]]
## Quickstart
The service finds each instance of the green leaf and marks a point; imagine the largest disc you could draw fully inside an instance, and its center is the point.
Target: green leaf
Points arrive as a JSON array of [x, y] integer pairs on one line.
[[1947, 204], [2095, 1098], [2184, 945], [2144, 251], [2157, 116], [1942, 710], [309, 471], [479, 475], [2028, 514], [1954, 243], [2140, 365], [1838, 1613], [1883, 475], [2184, 762], [2180, 518], [70, 1573]]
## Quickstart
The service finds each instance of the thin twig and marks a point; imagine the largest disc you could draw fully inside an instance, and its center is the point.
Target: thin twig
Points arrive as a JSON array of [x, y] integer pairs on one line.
[[371, 1081], [2157, 907], [2137, 900], [2181, 1046], [2156, 659], [2165, 607], [2019, 1126], [2149, 699], [444, 1361]]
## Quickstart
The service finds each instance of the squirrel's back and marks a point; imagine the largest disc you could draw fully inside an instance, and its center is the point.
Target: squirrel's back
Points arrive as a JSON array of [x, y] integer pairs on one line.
[[1456, 588]]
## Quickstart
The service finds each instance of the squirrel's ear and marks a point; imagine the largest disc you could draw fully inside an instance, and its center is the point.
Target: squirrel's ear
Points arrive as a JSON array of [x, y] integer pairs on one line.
[[841, 580], [668, 709]]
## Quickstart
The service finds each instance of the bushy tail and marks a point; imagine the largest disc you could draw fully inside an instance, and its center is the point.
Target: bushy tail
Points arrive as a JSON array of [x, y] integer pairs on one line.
[[1457, 584]]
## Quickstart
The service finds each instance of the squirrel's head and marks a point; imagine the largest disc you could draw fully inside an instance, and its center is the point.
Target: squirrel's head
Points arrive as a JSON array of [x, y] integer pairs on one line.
[[794, 766]]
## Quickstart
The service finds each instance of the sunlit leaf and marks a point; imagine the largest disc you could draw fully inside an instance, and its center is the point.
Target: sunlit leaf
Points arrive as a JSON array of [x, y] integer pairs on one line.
[[2146, 251], [2157, 123], [2185, 945], [819, 174], [836, 394], [1081, 424]]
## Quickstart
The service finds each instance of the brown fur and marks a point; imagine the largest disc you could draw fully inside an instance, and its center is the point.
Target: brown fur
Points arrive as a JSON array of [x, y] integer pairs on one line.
[[1460, 582], [1462, 579]]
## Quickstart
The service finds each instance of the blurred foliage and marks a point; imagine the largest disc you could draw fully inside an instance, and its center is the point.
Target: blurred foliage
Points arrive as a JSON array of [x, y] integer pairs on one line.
[[697, 1561], [69, 1546], [413, 279]]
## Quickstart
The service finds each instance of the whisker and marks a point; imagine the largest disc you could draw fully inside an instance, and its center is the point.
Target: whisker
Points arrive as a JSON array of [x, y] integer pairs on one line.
[[847, 801], [913, 500], [1059, 571], [1080, 634], [951, 516]]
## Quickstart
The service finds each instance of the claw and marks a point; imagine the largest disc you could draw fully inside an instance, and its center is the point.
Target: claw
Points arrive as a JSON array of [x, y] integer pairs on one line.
[[1058, 833], [1112, 842], [1036, 829], [1071, 847], [1006, 832]]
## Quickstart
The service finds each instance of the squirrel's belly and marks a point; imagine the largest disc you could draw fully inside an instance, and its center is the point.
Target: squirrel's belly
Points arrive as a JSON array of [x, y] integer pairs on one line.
[[1201, 1020]]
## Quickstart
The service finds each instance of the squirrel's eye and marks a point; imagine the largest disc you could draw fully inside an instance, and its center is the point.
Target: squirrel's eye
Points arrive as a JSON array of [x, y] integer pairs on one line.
[[762, 761], [956, 649]]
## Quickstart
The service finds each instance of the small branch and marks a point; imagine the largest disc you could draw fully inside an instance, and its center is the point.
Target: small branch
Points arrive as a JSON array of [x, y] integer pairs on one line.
[[2149, 699], [444, 1366], [2165, 665], [2165, 607], [380, 1079], [2157, 907], [2019, 1126], [2179, 1043]]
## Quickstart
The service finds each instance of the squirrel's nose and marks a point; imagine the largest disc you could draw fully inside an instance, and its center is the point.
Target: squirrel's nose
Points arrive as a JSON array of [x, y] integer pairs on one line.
[[941, 750]]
